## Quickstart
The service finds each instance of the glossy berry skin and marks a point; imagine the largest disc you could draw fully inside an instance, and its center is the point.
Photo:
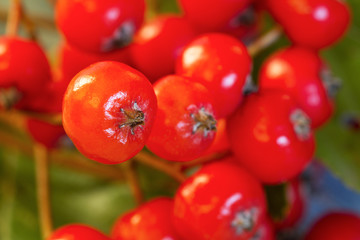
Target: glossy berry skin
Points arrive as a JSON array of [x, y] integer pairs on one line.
[[212, 15], [295, 205], [72, 60], [311, 23], [97, 25], [77, 232], [185, 122], [219, 202], [108, 111], [336, 225], [222, 64], [300, 73], [271, 136], [158, 43], [150, 221], [23, 67]]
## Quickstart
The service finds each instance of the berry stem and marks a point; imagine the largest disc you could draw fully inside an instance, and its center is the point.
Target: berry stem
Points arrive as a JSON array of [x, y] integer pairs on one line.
[[13, 19], [55, 119], [29, 25], [42, 183], [154, 8], [51, 118], [205, 159], [265, 41], [160, 164], [132, 179], [52, 2], [65, 159]]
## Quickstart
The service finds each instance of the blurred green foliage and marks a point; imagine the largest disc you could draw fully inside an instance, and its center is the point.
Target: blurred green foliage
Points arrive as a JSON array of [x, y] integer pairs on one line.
[[78, 197]]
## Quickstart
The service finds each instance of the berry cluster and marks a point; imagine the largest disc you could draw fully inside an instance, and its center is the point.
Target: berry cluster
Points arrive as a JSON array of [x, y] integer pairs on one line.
[[181, 86]]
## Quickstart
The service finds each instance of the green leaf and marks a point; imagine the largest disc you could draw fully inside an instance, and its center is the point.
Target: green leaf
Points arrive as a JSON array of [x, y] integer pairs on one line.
[[338, 146]]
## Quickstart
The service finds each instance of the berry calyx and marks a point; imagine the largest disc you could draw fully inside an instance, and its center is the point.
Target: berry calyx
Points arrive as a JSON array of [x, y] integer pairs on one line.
[[204, 122], [132, 117], [332, 84], [302, 124]]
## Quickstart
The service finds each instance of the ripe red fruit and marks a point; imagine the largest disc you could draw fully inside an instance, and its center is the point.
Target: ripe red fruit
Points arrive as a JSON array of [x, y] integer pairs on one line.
[[222, 64], [158, 43], [246, 26], [212, 15], [271, 136], [45, 133], [185, 122], [24, 70], [97, 25], [295, 205], [302, 74], [219, 202], [221, 141], [334, 226], [150, 221], [72, 60], [108, 111], [311, 23], [77, 232], [51, 98], [265, 231]]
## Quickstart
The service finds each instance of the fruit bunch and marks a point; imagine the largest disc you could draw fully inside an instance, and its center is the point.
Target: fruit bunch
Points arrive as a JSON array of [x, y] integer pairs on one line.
[[179, 92]]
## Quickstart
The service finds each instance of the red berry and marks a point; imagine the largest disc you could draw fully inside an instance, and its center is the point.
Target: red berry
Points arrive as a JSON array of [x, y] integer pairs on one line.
[[108, 111], [219, 202], [222, 64], [221, 141], [271, 136], [51, 98], [151, 221], [77, 232], [295, 205], [73, 60], [185, 122], [246, 26], [212, 15], [265, 231], [311, 23], [98, 25], [335, 226], [302, 74], [158, 43], [24, 70], [45, 133]]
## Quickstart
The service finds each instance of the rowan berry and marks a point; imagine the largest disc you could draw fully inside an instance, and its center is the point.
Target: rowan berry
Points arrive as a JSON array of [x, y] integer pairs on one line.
[[108, 111]]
